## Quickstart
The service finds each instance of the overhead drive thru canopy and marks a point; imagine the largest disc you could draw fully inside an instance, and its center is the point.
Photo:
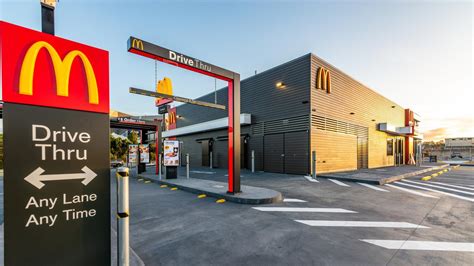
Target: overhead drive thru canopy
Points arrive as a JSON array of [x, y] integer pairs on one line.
[[162, 54]]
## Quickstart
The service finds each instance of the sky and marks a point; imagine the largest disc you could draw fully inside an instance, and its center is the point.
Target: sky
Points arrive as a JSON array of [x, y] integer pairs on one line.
[[416, 53]]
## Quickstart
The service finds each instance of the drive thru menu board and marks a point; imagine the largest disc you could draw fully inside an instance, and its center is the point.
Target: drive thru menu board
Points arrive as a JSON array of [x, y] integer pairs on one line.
[[171, 152], [56, 141], [144, 153]]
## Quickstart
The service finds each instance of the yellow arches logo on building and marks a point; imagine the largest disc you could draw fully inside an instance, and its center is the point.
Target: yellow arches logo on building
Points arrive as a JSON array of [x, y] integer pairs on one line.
[[323, 79], [170, 119], [138, 44], [62, 71]]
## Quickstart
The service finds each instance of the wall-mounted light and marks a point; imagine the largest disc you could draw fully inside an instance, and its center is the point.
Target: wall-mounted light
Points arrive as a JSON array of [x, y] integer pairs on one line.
[[280, 85]]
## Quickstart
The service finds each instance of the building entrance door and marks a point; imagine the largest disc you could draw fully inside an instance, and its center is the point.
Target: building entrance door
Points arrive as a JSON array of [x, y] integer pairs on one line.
[[296, 153], [205, 152], [398, 151], [286, 153], [274, 156]]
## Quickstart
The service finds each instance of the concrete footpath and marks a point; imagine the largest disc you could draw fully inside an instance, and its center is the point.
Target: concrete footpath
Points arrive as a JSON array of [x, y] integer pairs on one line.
[[385, 175], [216, 189]]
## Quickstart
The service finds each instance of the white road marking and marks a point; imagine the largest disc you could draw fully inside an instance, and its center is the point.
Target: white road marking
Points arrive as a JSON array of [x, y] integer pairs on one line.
[[412, 191], [289, 209], [449, 185], [442, 192], [360, 224], [338, 182], [293, 200], [373, 187], [446, 188], [422, 245], [311, 179]]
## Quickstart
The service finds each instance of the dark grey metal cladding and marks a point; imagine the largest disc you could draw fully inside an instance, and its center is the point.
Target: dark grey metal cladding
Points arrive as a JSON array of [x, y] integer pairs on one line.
[[274, 152], [274, 110], [296, 153], [260, 96]]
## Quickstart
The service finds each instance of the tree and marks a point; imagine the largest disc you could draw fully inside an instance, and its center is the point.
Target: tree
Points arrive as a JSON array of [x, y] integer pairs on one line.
[[133, 137]]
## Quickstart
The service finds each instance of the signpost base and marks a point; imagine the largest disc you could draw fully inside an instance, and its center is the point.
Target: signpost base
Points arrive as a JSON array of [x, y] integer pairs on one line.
[[171, 172]]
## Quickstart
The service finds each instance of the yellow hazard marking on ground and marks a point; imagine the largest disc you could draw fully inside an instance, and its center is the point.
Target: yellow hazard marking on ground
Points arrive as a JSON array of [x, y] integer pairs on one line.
[[174, 188], [220, 201], [147, 181], [163, 186], [440, 172], [435, 175], [445, 170], [201, 196], [426, 178], [140, 179]]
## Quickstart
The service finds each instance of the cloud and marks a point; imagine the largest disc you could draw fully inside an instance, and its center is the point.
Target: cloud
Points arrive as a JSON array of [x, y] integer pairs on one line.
[[440, 128], [436, 134]]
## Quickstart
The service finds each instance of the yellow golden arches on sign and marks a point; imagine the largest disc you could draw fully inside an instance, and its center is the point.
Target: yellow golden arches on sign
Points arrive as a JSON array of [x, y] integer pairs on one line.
[[62, 71], [138, 44], [323, 80], [164, 86]]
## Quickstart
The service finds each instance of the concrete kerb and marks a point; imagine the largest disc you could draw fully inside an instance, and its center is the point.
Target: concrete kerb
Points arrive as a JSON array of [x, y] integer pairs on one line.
[[429, 177], [250, 195], [414, 173]]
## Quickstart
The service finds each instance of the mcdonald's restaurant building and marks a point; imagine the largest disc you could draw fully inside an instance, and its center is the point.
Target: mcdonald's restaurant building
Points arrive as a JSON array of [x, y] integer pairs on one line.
[[293, 109]]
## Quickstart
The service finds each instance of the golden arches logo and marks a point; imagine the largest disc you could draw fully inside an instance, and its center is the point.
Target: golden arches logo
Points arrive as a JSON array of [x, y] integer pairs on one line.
[[323, 80], [170, 119], [165, 86], [138, 44], [62, 71]]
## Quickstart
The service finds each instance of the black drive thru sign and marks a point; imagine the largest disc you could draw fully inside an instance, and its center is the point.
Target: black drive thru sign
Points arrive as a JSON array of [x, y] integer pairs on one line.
[[56, 144]]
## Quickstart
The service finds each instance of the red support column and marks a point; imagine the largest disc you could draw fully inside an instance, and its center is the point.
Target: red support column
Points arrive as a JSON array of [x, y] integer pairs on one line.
[[234, 134], [157, 151]]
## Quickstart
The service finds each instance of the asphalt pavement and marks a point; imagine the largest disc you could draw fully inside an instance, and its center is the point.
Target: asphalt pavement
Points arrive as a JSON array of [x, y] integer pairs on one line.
[[319, 223], [322, 222]]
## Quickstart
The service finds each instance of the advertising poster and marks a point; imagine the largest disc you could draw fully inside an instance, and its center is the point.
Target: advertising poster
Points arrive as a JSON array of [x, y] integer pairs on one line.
[[132, 153], [171, 153], [144, 153]]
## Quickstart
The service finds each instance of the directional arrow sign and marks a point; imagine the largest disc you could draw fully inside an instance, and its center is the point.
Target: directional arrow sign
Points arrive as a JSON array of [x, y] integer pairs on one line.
[[35, 178]]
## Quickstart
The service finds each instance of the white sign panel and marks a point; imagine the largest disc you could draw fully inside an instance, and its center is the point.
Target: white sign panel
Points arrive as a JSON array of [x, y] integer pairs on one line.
[[132, 153], [171, 153], [144, 153]]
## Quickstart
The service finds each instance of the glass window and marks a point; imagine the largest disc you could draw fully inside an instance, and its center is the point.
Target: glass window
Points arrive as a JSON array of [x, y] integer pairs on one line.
[[390, 147]]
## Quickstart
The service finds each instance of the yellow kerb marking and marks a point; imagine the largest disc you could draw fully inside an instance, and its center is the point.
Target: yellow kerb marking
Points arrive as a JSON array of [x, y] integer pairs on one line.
[[147, 181], [426, 178], [164, 186], [220, 201], [202, 196], [174, 188]]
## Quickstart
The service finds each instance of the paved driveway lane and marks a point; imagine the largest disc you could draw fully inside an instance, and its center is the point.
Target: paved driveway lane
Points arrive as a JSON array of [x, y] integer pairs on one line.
[[176, 228], [204, 232]]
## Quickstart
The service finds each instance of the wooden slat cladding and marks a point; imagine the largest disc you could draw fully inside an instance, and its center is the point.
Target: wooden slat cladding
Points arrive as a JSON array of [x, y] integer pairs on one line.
[[350, 96], [260, 96], [335, 151]]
